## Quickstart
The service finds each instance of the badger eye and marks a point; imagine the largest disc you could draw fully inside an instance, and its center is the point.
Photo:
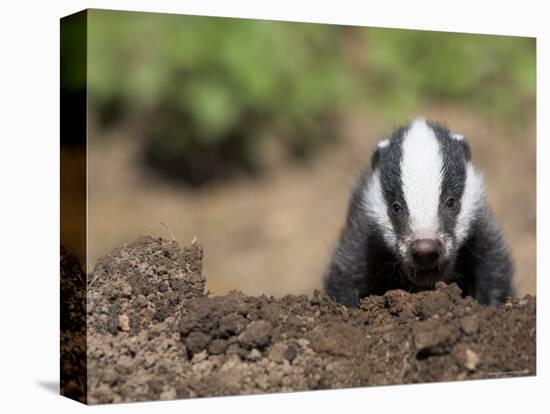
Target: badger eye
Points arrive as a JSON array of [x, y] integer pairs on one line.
[[396, 207], [451, 203]]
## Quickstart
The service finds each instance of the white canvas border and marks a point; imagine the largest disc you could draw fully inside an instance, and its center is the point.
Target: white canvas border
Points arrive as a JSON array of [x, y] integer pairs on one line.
[[29, 160]]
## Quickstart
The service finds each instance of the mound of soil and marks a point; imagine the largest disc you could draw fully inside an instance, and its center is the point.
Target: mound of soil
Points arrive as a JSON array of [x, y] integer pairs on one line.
[[153, 333], [73, 328]]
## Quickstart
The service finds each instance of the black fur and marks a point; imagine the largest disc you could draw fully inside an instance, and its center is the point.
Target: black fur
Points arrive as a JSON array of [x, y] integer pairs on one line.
[[455, 154], [483, 267], [362, 264]]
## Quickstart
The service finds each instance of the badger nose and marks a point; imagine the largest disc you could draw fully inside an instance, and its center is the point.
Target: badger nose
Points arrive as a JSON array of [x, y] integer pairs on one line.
[[426, 252]]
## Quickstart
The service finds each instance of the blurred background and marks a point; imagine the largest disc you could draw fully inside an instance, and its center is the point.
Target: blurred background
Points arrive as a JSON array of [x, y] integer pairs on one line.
[[247, 134]]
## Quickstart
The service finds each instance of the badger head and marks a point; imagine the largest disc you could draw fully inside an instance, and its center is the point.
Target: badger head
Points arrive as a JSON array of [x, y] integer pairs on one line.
[[423, 196]]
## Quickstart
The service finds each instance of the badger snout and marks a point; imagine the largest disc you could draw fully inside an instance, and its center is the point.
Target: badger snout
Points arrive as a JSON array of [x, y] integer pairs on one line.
[[426, 252]]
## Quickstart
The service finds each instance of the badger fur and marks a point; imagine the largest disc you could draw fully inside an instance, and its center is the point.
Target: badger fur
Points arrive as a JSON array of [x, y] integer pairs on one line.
[[419, 215]]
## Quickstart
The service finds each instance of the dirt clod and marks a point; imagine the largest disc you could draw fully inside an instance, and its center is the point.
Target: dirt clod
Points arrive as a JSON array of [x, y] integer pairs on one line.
[[257, 334], [466, 357], [469, 325], [336, 339], [197, 341], [471, 360], [154, 333], [434, 337], [277, 352], [124, 322]]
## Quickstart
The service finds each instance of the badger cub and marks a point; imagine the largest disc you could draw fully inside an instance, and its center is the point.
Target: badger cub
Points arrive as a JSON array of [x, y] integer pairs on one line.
[[419, 215]]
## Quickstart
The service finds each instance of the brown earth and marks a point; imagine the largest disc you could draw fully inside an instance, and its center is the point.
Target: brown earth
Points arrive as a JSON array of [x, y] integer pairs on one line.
[[153, 333], [72, 340]]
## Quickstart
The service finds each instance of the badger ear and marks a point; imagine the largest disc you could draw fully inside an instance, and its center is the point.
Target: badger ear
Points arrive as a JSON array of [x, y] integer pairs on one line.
[[376, 155], [466, 147]]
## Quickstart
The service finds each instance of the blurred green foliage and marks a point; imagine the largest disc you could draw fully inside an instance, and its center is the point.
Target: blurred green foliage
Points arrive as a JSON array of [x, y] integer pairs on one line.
[[493, 74], [213, 87], [216, 85]]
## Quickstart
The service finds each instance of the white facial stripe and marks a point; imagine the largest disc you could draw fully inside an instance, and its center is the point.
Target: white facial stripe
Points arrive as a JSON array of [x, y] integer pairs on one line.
[[472, 199], [421, 176], [375, 206]]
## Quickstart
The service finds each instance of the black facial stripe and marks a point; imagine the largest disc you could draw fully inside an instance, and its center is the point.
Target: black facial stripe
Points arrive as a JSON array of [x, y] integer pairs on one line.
[[454, 154], [389, 165]]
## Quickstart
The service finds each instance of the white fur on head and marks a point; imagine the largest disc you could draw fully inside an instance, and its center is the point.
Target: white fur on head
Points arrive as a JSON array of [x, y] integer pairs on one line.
[[384, 143], [472, 199], [421, 176], [375, 206], [458, 137]]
